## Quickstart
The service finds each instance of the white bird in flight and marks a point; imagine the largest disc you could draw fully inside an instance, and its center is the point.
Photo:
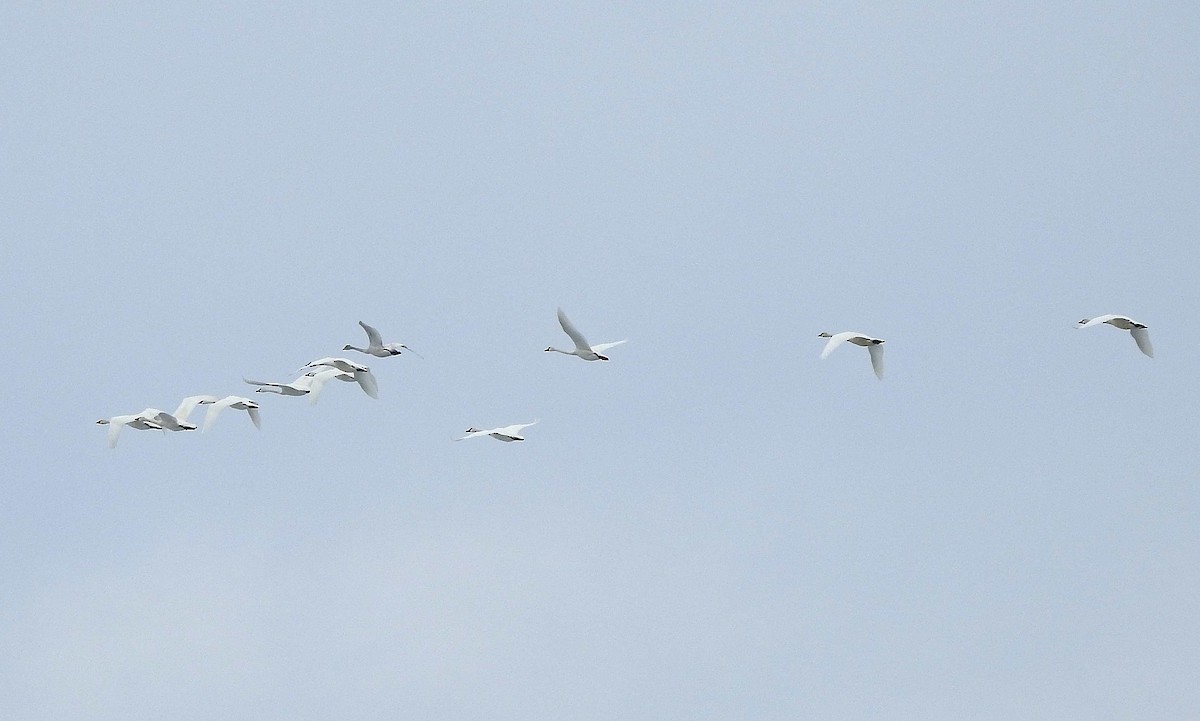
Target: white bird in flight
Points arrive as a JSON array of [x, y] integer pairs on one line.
[[165, 421], [376, 346], [235, 402], [133, 421], [582, 349], [354, 372], [177, 421], [504, 433], [305, 385], [1141, 336], [873, 345]]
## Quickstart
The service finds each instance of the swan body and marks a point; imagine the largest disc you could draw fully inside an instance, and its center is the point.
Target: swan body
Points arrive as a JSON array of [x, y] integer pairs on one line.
[[177, 421], [1141, 336], [305, 385], [235, 402], [507, 434], [353, 372], [166, 421], [582, 349], [873, 345], [133, 421], [376, 346]]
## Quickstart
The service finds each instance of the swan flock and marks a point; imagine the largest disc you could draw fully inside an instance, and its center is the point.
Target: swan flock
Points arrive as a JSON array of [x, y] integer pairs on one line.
[[315, 375]]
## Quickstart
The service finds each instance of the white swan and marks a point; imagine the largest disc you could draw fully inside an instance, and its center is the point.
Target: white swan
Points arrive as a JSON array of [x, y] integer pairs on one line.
[[235, 402], [165, 421], [177, 421], [133, 421], [355, 372], [873, 345], [582, 349], [1141, 336], [503, 433], [305, 385], [376, 346]]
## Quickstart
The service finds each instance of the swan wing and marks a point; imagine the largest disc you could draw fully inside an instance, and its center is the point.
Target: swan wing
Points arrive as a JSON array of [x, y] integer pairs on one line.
[[605, 346], [254, 417], [318, 363], [474, 434], [876, 352], [214, 410], [1142, 337], [1096, 321], [317, 382], [373, 338], [576, 337], [187, 405], [835, 341], [400, 347], [264, 383], [114, 428], [366, 381]]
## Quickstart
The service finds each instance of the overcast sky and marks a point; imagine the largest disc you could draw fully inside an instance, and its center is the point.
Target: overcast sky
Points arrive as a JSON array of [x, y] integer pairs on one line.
[[716, 524]]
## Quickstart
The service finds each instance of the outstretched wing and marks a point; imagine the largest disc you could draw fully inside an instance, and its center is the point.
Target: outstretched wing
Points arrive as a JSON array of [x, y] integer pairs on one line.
[[215, 408], [373, 337], [317, 382], [254, 417], [473, 434], [605, 346], [876, 352], [1096, 321], [576, 337], [114, 429], [833, 343], [515, 428], [1142, 337], [187, 405], [366, 381], [264, 383]]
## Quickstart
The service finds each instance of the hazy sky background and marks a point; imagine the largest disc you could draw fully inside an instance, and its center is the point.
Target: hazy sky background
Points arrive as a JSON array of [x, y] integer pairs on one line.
[[714, 525]]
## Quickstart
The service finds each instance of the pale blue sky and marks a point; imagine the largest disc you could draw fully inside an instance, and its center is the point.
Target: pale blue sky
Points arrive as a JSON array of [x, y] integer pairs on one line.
[[714, 525]]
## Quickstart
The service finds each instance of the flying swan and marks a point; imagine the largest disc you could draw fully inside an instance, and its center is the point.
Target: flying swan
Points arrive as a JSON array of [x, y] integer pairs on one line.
[[1141, 336], [352, 372], [133, 421], [376, 346], [305, 385], [504, 433], [237, 403], [582, 349], [874, 347]]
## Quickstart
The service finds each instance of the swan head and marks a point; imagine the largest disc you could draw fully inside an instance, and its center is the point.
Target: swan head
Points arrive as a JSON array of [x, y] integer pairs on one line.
[[102, 422], [472, 429], [346, 347], [824, 334], [549, 348], [1085, 320]]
